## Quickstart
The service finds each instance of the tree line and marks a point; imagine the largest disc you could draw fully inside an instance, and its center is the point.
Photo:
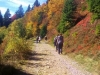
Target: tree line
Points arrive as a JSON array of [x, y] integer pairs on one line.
[[6, 19]]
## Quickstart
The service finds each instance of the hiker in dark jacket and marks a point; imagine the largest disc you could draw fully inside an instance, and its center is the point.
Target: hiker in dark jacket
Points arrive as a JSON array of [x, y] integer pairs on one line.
[[60, 43], [55, 42]]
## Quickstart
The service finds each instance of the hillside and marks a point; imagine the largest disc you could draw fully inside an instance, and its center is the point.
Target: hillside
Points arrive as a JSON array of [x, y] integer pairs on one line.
[[80, 39], [81, 35], [76, 20]]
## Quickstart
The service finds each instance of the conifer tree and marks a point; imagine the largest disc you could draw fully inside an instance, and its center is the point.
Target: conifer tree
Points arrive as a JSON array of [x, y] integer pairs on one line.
[[20, 12], [66, 19], [1, 19], [36, 4], [28, 8], [7, 19], [94, 7], [47, 1]]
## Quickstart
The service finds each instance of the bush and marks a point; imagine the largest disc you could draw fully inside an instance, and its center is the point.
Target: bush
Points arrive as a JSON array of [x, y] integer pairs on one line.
[[18, 28], [16, 48], [97, 31], [74, 34], [29, 29], [67, 33]]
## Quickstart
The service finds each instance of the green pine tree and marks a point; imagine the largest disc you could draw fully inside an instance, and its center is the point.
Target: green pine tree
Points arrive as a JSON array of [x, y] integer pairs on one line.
[[28, 8], [20, 12], [1, 19], [7, 19], [66, 19]]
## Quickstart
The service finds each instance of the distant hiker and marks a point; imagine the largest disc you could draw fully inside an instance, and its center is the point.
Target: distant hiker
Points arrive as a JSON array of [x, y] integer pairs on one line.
[[55, 42], [60, 43], [39, 39]]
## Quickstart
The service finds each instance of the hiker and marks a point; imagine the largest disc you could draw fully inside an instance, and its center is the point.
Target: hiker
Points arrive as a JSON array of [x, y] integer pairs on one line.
[[39, 39], [55, 42], [60, 43]]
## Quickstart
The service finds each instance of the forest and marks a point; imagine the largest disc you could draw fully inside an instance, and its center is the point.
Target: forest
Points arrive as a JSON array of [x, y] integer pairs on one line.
[[77, 20]]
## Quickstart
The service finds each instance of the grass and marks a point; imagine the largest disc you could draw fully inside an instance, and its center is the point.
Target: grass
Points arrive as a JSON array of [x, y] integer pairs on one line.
[[88, 63]]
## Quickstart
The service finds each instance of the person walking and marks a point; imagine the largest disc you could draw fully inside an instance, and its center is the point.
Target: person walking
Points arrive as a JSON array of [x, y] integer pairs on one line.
[[39, 39], [60, 41], [55, 42]]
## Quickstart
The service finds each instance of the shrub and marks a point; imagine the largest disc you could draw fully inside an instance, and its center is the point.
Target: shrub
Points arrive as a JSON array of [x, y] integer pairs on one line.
[[16, 48], [74, 34], [18, 28], [29, 29], [67, 33], [97, 31]]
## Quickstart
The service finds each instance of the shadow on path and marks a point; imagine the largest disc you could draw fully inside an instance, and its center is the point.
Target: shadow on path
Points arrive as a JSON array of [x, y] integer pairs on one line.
[[34, 56], [10, 70]]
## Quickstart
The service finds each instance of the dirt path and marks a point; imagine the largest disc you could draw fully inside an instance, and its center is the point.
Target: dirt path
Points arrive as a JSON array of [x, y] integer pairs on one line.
[[47, 61]]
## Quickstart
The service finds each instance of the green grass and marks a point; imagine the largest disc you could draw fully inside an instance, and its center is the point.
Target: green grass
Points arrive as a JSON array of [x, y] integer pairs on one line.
[[88, 63]]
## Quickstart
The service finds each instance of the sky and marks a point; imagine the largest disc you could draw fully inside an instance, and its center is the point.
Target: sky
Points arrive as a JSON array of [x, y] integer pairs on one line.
[[13, 5]]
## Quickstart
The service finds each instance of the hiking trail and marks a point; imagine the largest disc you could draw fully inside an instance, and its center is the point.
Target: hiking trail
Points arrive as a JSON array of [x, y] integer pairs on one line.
[[46, 61]]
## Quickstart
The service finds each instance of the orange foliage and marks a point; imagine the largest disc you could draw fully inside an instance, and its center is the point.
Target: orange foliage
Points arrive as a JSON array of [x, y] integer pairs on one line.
[[51, 15], [54, 14], [55, 6]]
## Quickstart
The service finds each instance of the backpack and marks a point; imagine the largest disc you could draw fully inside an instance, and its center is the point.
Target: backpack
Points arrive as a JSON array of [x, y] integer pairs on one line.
[[55, 39], [60, 39]]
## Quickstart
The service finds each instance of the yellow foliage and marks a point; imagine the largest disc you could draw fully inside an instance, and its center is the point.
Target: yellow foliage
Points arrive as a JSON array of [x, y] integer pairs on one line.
[[55, 6], [51, 14]]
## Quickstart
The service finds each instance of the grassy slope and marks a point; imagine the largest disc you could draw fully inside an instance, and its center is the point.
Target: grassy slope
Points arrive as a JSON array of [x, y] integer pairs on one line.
[[82, 40]]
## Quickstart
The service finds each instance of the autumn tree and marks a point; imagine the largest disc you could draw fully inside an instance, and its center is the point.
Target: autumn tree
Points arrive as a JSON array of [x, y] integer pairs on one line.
[[20, 12], [18, 28], [7, 19], [1, 19]]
